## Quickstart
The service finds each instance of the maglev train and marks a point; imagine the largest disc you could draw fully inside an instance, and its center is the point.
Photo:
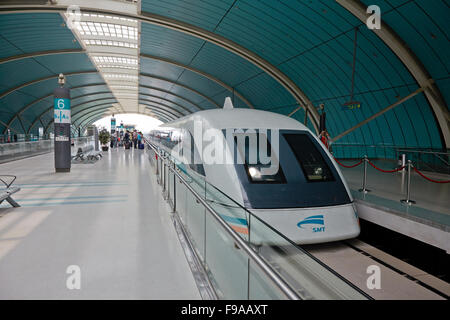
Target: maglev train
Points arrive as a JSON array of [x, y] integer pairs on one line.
[[299, 191]]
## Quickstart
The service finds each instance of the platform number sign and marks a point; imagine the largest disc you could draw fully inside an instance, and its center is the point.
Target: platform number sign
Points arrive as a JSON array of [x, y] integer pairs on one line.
[[62, 110]]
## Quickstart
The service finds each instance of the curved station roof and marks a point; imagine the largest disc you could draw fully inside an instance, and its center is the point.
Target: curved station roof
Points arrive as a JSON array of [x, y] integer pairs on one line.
[[169, 58]]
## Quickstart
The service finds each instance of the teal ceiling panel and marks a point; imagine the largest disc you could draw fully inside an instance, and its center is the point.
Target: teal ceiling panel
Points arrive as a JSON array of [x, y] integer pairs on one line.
[[152, 66], [224, 65], [91, 103], [154, 92], [199, 83], [444, 85], [311, 42], [156, 101], [81, 100], [174, 88], [266, 93], [66, 63], [220, 98], [34, 32], [86, 89], [167, 43], [204, 14], [15, 73]]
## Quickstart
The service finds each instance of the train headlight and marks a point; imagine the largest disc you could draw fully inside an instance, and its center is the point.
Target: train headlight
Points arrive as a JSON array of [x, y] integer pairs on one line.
[[318, 171], [254, 173]]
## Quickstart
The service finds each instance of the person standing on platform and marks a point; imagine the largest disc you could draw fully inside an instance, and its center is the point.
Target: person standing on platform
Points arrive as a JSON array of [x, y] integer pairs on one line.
[[135, 139], [127, 140], [139, 139]]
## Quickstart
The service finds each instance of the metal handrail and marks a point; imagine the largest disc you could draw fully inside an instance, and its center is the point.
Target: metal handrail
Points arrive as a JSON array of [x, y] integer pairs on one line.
[[266, 268]]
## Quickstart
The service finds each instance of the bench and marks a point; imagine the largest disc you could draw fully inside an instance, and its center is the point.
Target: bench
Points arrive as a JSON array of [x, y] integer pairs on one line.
[[87, 153], [5, 194]]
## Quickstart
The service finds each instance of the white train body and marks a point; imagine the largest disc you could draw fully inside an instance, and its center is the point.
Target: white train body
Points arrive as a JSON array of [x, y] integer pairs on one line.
[[304, 207]]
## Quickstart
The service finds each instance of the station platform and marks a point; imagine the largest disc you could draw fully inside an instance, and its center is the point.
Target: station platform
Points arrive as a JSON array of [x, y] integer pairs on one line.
[[108, 218], [428, 220]]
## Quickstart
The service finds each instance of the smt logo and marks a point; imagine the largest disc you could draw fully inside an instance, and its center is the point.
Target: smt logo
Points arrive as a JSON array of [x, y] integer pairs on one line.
[[317, 223]]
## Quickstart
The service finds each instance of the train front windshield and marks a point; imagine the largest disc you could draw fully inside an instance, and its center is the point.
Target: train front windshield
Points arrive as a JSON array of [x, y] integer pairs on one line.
[[304, 176]]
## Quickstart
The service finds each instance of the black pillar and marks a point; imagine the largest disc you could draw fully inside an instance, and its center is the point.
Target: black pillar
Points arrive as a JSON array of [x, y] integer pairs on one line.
[[62, 129]]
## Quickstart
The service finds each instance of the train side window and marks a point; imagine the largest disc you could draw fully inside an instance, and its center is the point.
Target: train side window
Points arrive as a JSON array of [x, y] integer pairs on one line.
[[197, 167], [309, 157]]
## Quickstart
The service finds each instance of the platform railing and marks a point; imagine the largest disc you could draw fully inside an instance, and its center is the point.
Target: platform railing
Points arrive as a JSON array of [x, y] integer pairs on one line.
[[20, 150], [81, 142], [243, 257], [17, 138]]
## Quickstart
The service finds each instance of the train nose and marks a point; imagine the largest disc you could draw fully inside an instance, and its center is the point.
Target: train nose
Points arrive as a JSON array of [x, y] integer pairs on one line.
[[313, 225]]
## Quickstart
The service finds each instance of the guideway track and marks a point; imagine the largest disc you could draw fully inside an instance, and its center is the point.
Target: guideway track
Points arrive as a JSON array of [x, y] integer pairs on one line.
[[398, 279]]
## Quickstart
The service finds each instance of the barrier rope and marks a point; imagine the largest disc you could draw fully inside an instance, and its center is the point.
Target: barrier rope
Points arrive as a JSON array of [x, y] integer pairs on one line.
[[348, 167], [392, 171], [429, 179], [387, 171]]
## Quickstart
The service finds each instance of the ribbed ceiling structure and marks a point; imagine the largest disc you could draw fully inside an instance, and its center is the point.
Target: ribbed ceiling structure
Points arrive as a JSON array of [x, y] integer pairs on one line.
[[284, 56]]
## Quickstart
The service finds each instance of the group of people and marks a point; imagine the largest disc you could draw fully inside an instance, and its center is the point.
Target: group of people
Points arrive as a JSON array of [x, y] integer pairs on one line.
[[131, 139], [135, 138]]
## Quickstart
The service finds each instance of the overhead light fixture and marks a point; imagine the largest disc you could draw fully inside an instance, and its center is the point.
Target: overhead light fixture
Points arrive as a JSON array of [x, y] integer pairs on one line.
[[88, 28], [115, 59], [120, 76], [113, 66], [110, 43]]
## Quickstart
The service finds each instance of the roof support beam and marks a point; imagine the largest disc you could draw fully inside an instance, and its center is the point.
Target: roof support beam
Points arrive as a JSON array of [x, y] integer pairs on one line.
[[21, 123], [204, 74], [90, 121], [167, 106], [4, 94], [40, 54], [162, 109], [81, 117], [197, 32], [181, 85], [167, 100], [92, 118], [171, 93], [411, 61], [78, 122], [160, 114], [376, 115], [25, 108], [12, 129], [74, 115]]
